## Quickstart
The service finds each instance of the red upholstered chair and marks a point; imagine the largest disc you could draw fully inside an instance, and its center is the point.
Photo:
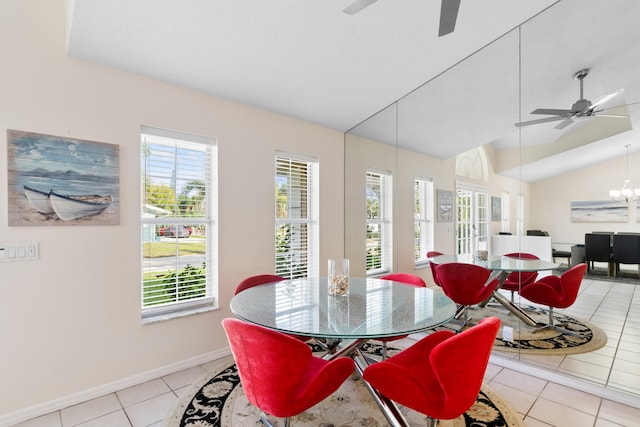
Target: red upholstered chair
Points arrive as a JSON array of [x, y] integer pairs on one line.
[[516, 280], [465, 284], [440, 375], [556, 291], [406, 278], [261, 279], [279, 374], [433, 266]]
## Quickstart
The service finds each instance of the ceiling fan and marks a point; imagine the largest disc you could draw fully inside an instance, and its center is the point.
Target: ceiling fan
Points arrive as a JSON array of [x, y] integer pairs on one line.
[[448, 13], [581, 108]]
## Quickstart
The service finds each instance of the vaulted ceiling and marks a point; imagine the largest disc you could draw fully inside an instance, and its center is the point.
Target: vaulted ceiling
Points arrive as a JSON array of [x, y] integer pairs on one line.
[[309, 60]]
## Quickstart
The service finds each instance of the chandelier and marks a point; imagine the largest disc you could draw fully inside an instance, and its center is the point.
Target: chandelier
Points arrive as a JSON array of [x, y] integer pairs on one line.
[[627, 193]]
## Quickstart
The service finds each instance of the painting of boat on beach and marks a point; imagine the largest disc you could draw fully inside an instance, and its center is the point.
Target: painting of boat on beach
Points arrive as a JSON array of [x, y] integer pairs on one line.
[[56, 180], [599, 211]]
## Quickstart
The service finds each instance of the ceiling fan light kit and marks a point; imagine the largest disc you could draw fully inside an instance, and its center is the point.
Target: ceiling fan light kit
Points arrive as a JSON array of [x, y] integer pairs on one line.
[[627, 193]]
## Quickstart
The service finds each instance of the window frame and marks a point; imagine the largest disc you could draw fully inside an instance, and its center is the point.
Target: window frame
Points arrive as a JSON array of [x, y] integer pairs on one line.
[[384, 222], [311, 205], [424, 214], [208, 218]]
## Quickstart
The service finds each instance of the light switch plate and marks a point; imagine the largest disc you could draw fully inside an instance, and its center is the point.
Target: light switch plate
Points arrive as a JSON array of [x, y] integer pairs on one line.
[[10, 252]]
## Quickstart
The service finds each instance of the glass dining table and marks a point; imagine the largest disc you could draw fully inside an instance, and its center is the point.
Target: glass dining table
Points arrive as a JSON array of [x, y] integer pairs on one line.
[[501, 266], [373, 308]]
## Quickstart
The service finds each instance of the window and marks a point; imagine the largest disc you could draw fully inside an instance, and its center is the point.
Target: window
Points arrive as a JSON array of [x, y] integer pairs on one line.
[[179, 231], [423, 201], [379, 216], [506, 215], [296, 233]]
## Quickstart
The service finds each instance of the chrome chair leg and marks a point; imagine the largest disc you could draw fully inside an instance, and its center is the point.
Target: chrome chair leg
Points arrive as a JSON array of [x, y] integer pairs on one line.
[[556, 327]]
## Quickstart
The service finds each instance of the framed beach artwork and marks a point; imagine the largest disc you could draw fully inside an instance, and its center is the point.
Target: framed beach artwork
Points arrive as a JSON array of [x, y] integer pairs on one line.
[[55, 180], [599, 211], [445, 205]]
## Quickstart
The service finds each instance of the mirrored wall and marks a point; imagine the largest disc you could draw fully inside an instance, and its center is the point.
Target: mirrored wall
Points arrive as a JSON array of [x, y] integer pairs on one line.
[[477, 103]]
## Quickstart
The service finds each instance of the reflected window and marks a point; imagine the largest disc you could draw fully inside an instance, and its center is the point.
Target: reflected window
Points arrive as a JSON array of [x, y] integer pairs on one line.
[[505, 215], [296, 228], [473, 164], [424, 206], [379, 221], [179, 231]]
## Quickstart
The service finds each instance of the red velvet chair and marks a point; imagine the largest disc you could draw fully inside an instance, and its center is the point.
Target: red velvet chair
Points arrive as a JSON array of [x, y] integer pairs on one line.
[[466, 285], [516, 280], [433, 266], [440, 375], [406, 278], [261, 279], [279, 374], [556, 291]]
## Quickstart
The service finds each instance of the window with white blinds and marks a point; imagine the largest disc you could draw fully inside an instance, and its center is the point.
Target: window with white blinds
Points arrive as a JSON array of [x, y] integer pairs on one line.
[[379, 221], [296, 227], [424, 205], [179, 231], [505, 216]]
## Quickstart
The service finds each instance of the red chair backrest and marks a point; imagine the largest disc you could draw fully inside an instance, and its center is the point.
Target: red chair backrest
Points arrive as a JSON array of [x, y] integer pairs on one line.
[[521, 278], [260, 279], [557, 291], [465, 283], [460, 362], [433, 266], [406, 278]]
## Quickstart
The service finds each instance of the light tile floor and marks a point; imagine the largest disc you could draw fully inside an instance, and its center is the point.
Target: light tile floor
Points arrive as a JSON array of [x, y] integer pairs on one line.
[[538, 401]]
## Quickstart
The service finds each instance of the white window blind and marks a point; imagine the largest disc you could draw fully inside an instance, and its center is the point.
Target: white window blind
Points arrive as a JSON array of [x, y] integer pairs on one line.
[[296, 203], [379, 221], [178, 211], [424, 205], [506, 213]]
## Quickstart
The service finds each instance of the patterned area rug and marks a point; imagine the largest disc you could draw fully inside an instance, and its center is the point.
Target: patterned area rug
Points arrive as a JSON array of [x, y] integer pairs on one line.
[[217, 400], [547, 341]]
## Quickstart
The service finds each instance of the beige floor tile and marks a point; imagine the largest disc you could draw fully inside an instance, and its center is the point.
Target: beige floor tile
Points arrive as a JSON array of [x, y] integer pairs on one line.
[[584, 370], [532, 422], [141, 392], [520, 400], [604, 423], [520, 381], [90, 410], [620, 414], [571, 398], [185, 377], [593, 358], [114, 419], [49, 420], [151, 411], [559, 415]]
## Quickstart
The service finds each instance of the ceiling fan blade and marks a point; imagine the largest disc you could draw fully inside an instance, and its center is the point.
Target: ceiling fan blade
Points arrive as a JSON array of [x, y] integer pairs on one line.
[[448, 16], [563, 124], [538, 121], [552, 111], [357, 6], [605, 99]]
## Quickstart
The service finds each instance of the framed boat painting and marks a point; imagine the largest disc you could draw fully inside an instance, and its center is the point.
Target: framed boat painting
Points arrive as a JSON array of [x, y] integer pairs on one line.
[[54, 180]]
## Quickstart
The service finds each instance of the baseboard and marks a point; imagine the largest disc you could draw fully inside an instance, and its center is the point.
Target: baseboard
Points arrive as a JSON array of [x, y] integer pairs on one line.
[[21, 415]]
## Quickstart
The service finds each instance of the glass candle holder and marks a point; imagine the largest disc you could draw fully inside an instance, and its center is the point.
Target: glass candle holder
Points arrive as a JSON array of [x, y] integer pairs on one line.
[[338, 277]]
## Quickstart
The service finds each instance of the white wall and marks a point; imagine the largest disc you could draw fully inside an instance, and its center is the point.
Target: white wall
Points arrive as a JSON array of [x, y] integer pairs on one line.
[[550, 206], [70, 321]]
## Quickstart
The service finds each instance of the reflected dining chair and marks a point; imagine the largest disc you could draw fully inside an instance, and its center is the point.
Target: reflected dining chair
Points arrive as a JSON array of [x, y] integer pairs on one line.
[[516, 280], [626, 250], [279, 374], [432, 265], [261, 279], [466, 285], [556, 291], [440, 375], [408, 279], [597, 248]]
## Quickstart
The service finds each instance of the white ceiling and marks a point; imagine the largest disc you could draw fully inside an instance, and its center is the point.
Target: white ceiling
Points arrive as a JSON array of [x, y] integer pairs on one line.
[[307, 59]]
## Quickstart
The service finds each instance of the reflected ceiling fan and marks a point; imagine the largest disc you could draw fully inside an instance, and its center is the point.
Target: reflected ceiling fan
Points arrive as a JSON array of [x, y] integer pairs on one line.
[[581, 108], [448, 13]]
